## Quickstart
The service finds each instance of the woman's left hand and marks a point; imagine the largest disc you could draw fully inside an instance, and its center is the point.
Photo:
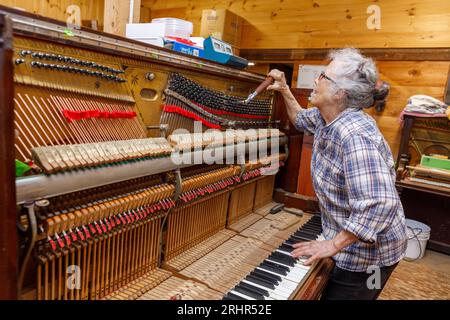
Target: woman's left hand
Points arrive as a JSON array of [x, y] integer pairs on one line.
[[315, 249]]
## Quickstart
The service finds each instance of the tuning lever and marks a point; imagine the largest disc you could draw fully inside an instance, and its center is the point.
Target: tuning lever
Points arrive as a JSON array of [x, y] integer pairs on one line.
[[259, 89]]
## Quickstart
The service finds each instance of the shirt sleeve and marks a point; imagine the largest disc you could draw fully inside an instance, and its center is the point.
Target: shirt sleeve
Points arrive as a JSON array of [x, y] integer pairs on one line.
[[373, 199], [307, 120]]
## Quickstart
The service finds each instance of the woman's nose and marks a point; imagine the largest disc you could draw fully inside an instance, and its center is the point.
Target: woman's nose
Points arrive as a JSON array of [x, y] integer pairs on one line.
[[316, 81]]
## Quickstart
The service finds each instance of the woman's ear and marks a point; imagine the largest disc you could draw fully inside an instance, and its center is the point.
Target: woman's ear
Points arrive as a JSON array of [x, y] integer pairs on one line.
[[340, 94]]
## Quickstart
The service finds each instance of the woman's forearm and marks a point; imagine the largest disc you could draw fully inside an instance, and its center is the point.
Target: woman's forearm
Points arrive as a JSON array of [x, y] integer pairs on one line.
[[343, 239], [292, 106]]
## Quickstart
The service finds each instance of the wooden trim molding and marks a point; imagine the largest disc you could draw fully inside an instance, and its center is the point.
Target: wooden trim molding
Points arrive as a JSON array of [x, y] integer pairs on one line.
[[380, 54]]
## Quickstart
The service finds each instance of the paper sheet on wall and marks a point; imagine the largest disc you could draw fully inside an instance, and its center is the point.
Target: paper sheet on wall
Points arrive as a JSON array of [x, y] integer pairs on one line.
[[307, 74]]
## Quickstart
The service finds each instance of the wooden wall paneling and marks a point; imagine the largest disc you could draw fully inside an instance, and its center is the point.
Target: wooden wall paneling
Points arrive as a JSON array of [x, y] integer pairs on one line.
[[116, 16], [327, 23], [379, 54], [57, 9], [406, 78]]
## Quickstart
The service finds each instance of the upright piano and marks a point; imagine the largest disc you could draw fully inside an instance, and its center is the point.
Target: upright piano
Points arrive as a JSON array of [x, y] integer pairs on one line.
[[139, 174]]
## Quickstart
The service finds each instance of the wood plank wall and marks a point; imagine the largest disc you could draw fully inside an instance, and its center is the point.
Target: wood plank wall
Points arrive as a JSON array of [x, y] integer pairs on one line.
[[406, 78], [323, 23], [57, 9]]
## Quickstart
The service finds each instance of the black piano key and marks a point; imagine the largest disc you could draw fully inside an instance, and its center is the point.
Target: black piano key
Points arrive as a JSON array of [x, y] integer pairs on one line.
[[276, 267], [299, 238], [308, 231], [283, 256], [257, 290], [281, 260], [260, 281], [305, 236], [286, 247], [289, 242], [241, 289], [231, 296], [272, 269], [266, 276]]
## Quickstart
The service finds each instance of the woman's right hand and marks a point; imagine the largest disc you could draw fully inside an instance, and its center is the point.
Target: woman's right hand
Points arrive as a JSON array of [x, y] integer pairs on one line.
[[279, 81]]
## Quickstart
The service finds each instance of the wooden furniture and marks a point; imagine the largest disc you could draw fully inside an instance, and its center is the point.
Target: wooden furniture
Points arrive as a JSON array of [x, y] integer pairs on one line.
[[104, 195], [8, 230], [424, 202], [294, 183], [304, 183]]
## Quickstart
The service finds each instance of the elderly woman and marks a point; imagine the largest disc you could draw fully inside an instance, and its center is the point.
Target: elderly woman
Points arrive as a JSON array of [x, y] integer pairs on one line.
[[353, 177]]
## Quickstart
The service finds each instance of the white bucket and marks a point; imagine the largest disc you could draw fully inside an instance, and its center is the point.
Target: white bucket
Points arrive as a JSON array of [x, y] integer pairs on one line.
[[418, 235]]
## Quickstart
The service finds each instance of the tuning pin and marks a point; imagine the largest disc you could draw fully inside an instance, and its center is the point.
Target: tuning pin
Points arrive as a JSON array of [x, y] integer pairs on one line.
[[24, 53]]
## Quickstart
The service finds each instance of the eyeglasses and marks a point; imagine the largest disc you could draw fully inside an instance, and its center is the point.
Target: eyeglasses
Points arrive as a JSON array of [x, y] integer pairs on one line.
[[324, 76]]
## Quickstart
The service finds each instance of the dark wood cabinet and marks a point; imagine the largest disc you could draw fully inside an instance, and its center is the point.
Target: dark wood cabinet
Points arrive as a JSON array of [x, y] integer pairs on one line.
[[424, 202]]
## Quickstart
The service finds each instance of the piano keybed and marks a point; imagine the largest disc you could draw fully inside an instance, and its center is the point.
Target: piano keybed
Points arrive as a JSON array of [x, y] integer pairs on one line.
[[140, 286], [178, 289], [279, 276], [239, 263]]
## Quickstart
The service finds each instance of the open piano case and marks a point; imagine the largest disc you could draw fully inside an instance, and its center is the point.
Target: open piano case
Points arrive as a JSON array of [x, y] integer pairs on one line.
[[105, 212]]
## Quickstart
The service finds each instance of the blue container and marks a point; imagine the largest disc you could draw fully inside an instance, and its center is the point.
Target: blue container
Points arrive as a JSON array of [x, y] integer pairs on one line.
[[184, 48]]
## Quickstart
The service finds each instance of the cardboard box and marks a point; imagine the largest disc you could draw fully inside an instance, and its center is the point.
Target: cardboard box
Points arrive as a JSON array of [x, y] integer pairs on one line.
[[222, 24]]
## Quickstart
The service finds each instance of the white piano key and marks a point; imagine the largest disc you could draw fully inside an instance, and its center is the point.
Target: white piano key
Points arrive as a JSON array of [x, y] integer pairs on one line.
[[242, 295]]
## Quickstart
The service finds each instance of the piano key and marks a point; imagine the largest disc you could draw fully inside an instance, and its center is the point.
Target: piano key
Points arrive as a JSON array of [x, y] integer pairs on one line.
[[282, 256], [256, 290], [239, 288], [296, 270], [231, 296], [274, 264], [260, 281], [268, 286], [306, 235], [285, 247], [267, 276], [242, 296], [274, 294]]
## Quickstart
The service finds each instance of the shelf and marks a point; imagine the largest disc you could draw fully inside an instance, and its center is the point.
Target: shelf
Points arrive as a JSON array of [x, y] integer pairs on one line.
[[414, 185]]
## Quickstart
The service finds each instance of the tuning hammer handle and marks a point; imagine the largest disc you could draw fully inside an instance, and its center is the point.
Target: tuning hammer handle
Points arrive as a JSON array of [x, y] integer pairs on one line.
[[264, 85]]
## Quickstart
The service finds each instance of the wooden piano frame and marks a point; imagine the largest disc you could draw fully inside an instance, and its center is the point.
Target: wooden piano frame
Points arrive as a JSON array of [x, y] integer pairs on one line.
[[30, 25]]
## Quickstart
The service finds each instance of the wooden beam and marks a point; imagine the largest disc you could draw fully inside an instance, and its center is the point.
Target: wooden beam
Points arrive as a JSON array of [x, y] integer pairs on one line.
[[8, 231], [117, 13], [397, 54], [294, 200]]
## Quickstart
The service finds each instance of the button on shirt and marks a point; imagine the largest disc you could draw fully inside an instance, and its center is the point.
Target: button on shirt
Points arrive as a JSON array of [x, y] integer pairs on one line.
[[354, 179]]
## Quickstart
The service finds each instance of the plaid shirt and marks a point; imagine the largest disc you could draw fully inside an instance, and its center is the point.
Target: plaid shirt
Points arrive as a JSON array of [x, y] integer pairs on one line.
[[354, 180]]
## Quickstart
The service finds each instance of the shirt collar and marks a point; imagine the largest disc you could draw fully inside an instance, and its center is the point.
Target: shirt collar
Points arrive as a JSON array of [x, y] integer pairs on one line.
[[340, 115]]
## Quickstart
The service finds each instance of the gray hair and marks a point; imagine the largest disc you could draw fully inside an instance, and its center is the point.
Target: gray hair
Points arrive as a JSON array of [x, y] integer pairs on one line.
[[358, 77]]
